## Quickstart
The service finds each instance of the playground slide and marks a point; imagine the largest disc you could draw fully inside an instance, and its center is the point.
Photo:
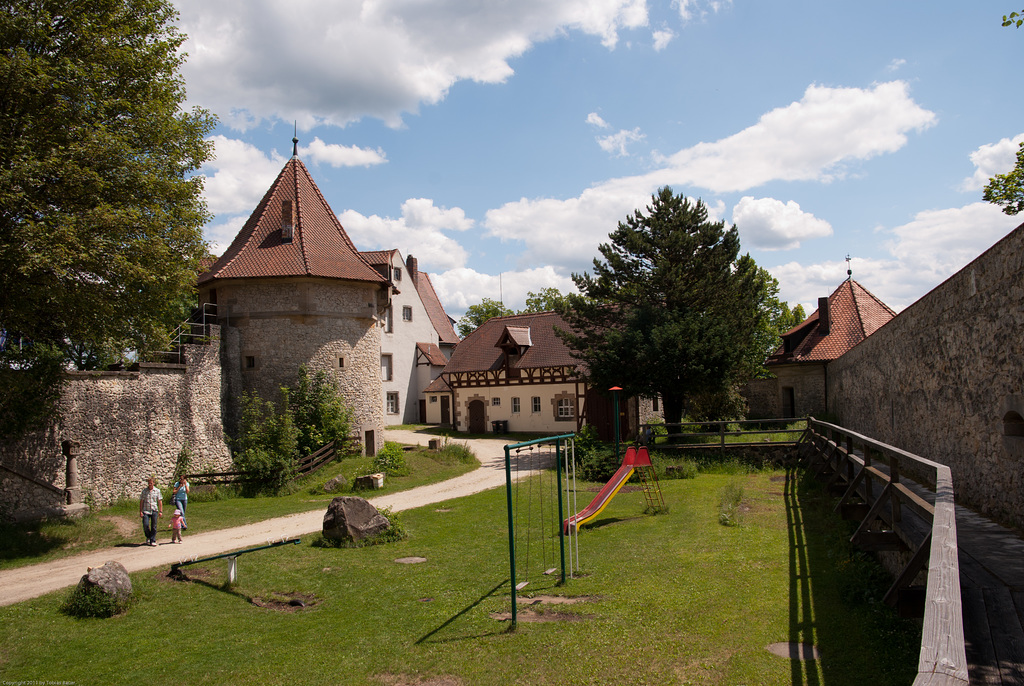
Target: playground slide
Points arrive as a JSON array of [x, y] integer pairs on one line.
[[618, 480]]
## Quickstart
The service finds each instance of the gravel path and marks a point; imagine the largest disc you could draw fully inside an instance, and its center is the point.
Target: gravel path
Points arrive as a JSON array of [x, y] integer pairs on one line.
[[32, 581]]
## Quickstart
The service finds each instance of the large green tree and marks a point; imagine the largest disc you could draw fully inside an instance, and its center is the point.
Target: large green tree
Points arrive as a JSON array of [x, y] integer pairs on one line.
[[478, 314], [672, 309], [100, 211]]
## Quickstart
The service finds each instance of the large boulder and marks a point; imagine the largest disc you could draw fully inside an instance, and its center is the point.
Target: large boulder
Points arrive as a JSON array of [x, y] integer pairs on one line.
[[350, 518], [101, 592]]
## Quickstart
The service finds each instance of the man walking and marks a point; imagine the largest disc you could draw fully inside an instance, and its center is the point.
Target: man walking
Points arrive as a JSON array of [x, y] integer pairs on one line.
[[151, 507]]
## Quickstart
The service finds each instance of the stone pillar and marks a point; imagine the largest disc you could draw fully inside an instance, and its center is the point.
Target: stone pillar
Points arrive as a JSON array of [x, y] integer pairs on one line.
[[72, 491]]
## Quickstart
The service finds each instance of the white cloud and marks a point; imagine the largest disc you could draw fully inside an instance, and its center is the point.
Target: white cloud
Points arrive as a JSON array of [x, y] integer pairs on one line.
[[616, 143], [699, 8], [460, 288], [809, 140], [220, 235], [896, 64], [595, 120], [341, 155], [922, 254], [771, 224], [992, 159], [238, 176], [662, 38], [319, 61], [419, 232]]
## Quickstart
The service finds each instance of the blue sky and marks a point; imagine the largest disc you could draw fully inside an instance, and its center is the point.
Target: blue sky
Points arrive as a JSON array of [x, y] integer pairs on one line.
[[500, 142]]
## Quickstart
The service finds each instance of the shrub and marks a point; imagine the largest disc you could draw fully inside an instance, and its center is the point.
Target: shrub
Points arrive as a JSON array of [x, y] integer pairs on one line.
[[91, 601], [318, 411], [456, 452], [391, 460], [265, 448]]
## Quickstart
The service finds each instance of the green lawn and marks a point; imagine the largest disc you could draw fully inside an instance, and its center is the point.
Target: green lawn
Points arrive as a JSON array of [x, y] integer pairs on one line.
[[674, 598], [38, 542]]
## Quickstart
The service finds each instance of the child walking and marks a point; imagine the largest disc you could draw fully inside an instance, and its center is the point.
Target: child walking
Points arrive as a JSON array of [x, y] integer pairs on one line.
[[176, 522]]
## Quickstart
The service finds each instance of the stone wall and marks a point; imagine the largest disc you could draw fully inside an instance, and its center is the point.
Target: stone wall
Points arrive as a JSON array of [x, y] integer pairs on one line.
[[762, 396], [943, 379], [129, 426]]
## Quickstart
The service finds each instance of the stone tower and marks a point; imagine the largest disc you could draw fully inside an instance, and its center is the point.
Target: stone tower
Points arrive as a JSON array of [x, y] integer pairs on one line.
[[293, 290]]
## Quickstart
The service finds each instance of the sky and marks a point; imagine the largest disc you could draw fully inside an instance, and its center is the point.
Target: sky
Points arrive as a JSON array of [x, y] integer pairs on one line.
[[501, 141]]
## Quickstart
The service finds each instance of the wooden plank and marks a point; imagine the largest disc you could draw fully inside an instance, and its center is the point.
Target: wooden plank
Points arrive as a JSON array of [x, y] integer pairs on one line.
[[982, 664], [1007, 634]]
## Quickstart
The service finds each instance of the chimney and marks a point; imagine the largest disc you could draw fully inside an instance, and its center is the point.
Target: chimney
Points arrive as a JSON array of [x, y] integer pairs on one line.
[[824, 317], [412, 266]]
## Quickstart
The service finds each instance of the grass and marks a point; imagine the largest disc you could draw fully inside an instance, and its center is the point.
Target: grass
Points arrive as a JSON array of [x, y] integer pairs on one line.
[[23, 544], [671, 599]]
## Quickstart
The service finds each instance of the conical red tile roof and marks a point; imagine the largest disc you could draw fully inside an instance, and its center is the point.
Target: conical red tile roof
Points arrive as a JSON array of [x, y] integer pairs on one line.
[[319, 246], [855, 314]]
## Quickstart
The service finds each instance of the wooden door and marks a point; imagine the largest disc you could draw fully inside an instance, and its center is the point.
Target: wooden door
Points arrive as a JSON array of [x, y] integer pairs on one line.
[[446, 410], [477, 419]]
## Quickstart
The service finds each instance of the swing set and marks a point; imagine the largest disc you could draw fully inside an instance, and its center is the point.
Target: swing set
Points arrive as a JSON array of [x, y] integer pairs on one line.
[[536, 506]]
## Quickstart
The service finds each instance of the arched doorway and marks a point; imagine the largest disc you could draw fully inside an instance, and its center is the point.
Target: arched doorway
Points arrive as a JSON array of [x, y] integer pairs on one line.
[[477, 420]]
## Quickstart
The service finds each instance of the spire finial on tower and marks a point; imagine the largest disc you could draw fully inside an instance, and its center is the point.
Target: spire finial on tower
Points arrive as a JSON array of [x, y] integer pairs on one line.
[[295, 140], [849, 271]]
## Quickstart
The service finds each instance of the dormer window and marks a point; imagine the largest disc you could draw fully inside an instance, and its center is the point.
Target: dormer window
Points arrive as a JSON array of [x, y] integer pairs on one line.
[[287, 221]]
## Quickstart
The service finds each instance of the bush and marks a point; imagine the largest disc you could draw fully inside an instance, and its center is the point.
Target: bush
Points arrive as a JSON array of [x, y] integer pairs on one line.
[[595, 461], [91, 601], [318, 412], [456, 452], [391, 460], [265, 448]]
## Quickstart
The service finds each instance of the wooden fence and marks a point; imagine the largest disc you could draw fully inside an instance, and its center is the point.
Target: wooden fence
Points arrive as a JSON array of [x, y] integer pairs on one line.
[[304, 466], [900, 516], [722, 435]]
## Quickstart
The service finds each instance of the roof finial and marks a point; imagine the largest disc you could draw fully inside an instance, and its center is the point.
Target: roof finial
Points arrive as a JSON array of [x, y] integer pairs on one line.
[[295, 141], [849, 272]]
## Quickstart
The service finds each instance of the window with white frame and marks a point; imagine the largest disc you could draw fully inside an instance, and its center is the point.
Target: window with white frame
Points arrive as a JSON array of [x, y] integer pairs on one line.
[[433, 399], [515, 405], [386, 372], [495, 402], [392, 402], [536, 404], [407, 314], [565, 408]]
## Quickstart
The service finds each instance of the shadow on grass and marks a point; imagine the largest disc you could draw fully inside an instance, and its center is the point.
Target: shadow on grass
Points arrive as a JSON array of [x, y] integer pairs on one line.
[[180, 576], [428, 637], [23, 540], [835, 599]]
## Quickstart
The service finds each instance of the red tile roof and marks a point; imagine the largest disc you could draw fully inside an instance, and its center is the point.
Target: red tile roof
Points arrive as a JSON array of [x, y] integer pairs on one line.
[[855, 314], [319, 247], [438, 385], [478, 351], [438, 317], [432, 354]]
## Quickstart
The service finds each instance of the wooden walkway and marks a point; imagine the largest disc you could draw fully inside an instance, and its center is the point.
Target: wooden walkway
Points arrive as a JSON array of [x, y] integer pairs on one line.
[[992, 595]]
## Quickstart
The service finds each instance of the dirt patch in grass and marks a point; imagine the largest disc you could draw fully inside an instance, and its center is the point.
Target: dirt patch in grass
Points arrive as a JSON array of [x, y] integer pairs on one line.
[[406, 680], [536, 617], [285, 602], [126, 526], [554, 600]]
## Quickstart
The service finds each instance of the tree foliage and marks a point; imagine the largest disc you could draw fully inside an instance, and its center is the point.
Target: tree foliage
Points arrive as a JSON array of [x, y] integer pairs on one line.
[[265, 449], [318, 411], [672, 310], [1014, 19], [478, 314], [1008, 189], [545, 300], [100, 214]]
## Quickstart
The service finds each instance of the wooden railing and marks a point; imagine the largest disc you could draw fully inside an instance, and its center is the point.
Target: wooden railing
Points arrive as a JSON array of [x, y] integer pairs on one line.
[[722, 435], [895, 516], [304, 466]]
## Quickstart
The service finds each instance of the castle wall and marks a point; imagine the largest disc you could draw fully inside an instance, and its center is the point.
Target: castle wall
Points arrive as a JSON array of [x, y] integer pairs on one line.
[[129, 426], [944, 378], [273, 326]]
